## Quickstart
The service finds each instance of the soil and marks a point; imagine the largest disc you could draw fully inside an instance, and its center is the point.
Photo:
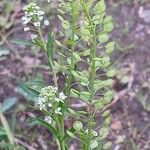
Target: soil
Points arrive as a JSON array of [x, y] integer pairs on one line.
[[129, 129]]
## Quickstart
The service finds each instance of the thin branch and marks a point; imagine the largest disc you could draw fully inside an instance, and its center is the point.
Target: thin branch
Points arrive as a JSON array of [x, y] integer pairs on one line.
[[24, 144]]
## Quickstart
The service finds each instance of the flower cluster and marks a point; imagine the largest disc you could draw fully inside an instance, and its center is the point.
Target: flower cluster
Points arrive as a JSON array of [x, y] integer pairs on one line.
[[33, 16], [49, 100]]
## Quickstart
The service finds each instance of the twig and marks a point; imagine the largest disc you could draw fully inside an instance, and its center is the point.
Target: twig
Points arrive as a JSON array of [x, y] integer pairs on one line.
[[24, 144], [42, 143], [116, 98], [142, 132], [79, 105], [4, 38]]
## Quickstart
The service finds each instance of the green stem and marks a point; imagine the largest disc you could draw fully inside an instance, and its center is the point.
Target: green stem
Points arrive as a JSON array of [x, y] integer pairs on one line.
[[72, 65], [92, 70], [7, 129], [62, 143], [49, 59], [59, 124]]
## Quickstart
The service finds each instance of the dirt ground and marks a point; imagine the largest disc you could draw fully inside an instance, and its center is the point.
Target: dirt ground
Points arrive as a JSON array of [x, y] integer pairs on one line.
[[130, 126]]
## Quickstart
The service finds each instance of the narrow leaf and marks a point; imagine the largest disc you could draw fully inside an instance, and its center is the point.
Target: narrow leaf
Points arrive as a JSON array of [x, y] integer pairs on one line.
[[38, 121], [22, 42], [8, 103], [50, 46]]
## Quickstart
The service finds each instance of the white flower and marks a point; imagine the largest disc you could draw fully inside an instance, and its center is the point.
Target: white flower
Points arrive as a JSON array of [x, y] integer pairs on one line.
[[33, 36], [62, 96], [50, 105], [55, 88], [49, 1], [48, 119], [46, 22], [58, 100], [37, 24], [37, 7], [40, 103], [31, 14], [26, 20], [26, 29], [41, 18], [40, 13], [58, 111]]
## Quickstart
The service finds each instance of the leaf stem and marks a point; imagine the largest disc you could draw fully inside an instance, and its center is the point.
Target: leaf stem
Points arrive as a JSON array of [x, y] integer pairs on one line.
[[49, 59]]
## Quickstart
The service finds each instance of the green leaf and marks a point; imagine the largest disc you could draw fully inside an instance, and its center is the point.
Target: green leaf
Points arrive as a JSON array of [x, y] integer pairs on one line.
[[2, 132], [85, 33], [72, 111], [108, 96], [28, 92], [98, 18], [69, 61], [38, 121], [58, 43], [67, 135], [78, 126], [108, 27], [102, 62], [94, 144], [98, 104], [85, 52], [85, 96], [36, 84], [74, 93], [76, 9], [76, 56], [61, 11], [107, 20], [8, 103], [107, 121], [110, 47], [100, 7], [106, 113], [70, 134], [104, 132], [60, 18], [111, 73], [75, 74], [22, 42], [8, 146], [80, 76], [99, 84], [49, 46], [103, 38], [4, 52], [82, 95], [67, 6], [107, 145], [7, 128], [65, 24]]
